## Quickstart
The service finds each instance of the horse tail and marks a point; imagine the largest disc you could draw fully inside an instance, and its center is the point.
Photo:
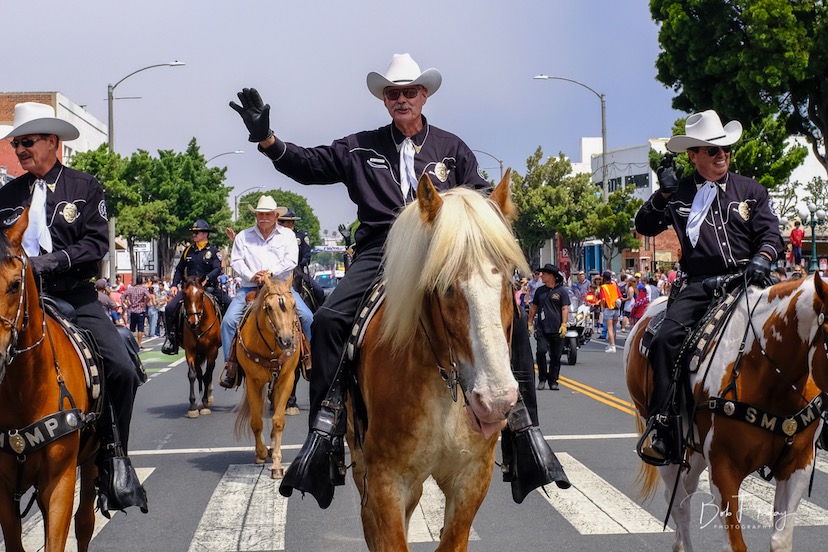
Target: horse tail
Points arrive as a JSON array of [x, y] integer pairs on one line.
[[647, 479], [242, 428]]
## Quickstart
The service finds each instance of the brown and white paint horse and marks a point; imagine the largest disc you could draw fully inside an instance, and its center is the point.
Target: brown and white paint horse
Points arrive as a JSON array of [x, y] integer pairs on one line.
[[783, 368], [449, 303]]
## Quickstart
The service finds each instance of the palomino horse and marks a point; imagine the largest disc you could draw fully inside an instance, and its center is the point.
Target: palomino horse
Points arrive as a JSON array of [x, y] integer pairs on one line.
[[769, 411], [43, 394], [267, 350], [202, 340], [445, 322]]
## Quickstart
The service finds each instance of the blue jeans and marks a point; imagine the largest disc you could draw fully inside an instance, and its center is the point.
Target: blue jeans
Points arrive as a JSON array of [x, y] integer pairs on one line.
[[152, 316], [234, 313]]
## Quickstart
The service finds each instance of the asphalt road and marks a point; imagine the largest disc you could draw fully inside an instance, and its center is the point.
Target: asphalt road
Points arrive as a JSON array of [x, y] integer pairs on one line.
[[207, 495]]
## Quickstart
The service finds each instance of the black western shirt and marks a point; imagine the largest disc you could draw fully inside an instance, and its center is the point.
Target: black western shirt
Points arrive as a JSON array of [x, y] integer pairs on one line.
[[740, 223], [368, 163]]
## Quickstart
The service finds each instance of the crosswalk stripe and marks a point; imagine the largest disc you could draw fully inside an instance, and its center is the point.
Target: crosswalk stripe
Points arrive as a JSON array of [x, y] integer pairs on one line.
[[821, 462], [34, 536], [756, 502], [427, 519], [246, 512], [594, 507]]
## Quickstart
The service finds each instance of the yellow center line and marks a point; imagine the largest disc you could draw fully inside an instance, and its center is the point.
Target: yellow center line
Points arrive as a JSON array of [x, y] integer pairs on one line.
[[600, 396]]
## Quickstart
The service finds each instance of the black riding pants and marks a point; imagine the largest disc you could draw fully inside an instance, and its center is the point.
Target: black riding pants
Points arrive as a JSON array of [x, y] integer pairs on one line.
[[687, 309], [121, 379], [550, 372]]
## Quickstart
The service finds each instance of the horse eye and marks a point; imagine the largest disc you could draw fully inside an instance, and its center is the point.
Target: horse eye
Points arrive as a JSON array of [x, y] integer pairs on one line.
[[14, 286]]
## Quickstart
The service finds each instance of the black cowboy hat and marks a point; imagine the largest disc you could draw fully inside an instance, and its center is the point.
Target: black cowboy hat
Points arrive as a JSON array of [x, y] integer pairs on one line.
[[290, 215], [201, 226], [554, 270]]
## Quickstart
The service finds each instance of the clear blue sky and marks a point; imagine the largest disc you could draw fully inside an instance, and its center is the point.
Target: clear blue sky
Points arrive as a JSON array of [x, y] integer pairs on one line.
[[309, 60]]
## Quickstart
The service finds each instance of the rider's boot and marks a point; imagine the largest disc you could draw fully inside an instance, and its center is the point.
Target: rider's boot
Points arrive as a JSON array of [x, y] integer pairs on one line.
[[532, 463], [118, 484], [231, 367], [320, 465], [664, 446], [170, 346]]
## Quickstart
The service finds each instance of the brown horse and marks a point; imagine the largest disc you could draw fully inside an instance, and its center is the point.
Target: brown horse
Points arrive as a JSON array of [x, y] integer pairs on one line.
[[42, 387], [267, 345], [444, 326], [768, 414], [202, 340]]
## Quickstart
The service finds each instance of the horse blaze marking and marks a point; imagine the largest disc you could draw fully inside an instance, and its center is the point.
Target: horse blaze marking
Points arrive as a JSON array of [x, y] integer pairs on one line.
[[594, 507]]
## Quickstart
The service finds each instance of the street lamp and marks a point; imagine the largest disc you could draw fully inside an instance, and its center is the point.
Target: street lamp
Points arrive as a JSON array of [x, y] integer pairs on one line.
[[236, 152], [110, 99], [603, 128], [238, 195], [813, 216], [499, 161]]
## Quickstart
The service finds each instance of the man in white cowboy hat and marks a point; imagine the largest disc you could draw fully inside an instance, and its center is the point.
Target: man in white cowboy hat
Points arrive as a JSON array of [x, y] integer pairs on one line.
[[266, 250], [725, 223], [380, 168], [202, 259], [65, 240]]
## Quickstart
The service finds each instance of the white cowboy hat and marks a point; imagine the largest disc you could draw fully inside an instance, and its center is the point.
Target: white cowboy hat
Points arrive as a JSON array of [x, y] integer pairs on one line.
[[38, 118], [705, 129], [404, 71], [267, 205]]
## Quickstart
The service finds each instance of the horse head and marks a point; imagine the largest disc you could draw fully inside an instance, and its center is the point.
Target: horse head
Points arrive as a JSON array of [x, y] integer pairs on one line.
[[449, 263], [819, 366], [279, 308], [193, 291], [14, 281]]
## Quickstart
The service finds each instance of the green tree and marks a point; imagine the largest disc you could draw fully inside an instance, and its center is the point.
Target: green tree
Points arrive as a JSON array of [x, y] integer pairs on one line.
[[748, 59], [551, 200], [613, 222]]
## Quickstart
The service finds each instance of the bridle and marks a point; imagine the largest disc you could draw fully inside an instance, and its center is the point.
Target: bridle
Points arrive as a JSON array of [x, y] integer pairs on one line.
[[16, 327], [198, 315]]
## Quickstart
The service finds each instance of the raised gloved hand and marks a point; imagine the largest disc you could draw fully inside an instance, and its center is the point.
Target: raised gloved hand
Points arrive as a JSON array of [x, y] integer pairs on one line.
[[43, 265], [562, 330], [758, 269], [254, 113], [668, 174]]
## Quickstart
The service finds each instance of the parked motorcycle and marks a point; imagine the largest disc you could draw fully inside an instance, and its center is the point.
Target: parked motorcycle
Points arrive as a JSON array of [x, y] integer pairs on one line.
[[580, 327]]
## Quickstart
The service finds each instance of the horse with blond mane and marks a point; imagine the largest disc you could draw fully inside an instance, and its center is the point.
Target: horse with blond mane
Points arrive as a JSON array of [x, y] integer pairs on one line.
[[443, 327], [759, 386]]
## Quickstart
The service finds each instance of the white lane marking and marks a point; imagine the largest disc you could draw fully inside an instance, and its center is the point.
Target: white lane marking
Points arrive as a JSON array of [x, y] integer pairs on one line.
[[34, 535], [756, 502], [594, 507], [821, 462], [427, 520], [246, 512]]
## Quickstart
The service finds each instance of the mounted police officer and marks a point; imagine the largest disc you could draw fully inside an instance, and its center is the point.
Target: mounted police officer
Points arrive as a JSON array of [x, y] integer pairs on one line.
[[380, 169], [65, 241], [725, 223], [201, 259]]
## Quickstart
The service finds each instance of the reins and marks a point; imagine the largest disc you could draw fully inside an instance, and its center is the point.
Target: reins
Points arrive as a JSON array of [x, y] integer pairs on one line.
[[199, 316], [272, 362]]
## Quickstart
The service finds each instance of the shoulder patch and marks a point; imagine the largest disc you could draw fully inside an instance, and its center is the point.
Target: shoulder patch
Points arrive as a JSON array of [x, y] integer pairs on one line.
[[102, 209]]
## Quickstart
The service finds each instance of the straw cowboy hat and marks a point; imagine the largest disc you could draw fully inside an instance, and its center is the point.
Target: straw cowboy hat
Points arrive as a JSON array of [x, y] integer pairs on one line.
[[268, 205], [38, 118], [404, 71], [705, 129]]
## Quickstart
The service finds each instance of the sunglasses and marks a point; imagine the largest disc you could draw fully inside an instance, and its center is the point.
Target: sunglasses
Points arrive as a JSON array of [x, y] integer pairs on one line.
[[26, 142], [394, 93], [713, 151]]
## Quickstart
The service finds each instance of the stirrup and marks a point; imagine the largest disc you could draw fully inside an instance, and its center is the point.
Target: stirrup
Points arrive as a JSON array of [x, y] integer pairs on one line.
[[660, 424], [170, 346], [320, 464], [119, 486]]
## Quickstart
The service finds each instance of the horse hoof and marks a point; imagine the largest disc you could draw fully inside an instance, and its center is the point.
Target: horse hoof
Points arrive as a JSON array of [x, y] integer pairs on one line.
[[210, 400], [205, 411], [277, 473], [192, 413], [292, 411], [260, 460]]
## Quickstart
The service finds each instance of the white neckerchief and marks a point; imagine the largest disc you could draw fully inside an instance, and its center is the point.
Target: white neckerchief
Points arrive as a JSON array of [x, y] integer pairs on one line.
[[37, 233], [698, 212], [408, 178]]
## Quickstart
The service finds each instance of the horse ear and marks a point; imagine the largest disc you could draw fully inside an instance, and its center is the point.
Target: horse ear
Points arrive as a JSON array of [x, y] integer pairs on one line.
[[15, 232], [502, 195], [290, 279], [428, 199]]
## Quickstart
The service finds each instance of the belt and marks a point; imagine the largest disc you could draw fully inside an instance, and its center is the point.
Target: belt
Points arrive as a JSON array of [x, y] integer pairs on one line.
[[703, 277]]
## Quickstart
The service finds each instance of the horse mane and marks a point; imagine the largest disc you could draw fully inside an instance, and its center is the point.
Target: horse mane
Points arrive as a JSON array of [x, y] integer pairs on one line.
[[469, 234]]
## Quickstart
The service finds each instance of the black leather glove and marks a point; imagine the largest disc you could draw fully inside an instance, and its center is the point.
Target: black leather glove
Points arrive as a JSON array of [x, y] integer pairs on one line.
[[668, 174], [254, 113], [758, 269], [43, 265]]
